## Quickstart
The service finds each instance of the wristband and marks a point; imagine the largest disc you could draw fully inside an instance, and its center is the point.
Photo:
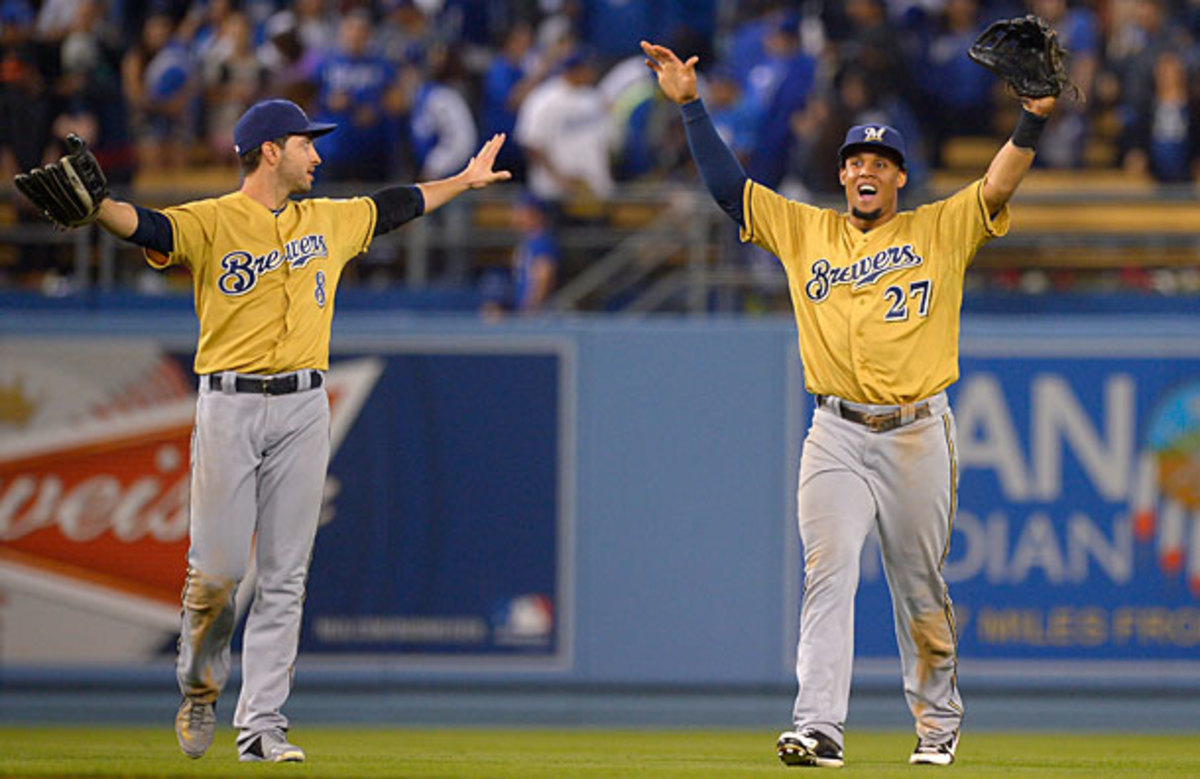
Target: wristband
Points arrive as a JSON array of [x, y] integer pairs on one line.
[[1029, 129]]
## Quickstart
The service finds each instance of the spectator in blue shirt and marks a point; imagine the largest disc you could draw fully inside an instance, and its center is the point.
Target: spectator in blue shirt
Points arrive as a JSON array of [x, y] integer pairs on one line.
[[746, 45], [779, 87], [536, 258], [513, 72], [1163, 139], [956, 94], [1065, 138], [352, 86], [734, 119], [535, 262]]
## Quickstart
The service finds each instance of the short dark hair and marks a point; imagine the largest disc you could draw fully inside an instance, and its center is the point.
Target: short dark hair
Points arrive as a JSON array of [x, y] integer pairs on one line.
[[251, 159]]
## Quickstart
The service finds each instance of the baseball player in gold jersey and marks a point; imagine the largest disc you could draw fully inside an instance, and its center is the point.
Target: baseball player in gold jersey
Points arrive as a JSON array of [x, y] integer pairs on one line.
[[265, 269], [877, 294]]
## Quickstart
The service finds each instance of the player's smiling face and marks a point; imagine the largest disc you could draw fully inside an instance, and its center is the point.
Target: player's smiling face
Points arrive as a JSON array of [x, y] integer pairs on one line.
[[872, 183], [297, 163]]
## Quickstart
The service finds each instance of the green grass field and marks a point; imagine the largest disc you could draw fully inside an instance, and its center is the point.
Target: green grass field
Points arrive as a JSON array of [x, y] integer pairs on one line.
[[345, 753]]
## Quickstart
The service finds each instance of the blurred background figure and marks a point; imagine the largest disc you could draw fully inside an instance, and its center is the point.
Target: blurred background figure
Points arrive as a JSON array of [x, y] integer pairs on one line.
[[1142, 77], [24, 91], [316, 25], [159, 82], [441, 124], [867, 39], [533, 273], [731, 114], [90, 101], [405, 32], [1163, 138], [535, 259], [351, 88], [777, 87], [955, 94], [513, 72], [234, 79], [563, 129], [818, 132], [291, 67], [1064, 142], [442, 137]]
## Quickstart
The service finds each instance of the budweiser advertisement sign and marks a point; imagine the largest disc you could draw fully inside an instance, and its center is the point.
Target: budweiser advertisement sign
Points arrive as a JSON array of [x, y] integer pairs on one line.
[[94, 476]]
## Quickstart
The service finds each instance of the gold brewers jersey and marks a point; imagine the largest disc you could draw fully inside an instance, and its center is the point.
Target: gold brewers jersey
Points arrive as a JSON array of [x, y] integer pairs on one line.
[[264, 284], [877, 312]]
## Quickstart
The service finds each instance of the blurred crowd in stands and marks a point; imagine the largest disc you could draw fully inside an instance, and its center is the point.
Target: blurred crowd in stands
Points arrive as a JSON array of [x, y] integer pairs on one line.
[[415, 85]]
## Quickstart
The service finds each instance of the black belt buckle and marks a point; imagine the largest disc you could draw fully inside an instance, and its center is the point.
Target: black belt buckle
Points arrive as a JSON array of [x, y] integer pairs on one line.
[[280, 385]]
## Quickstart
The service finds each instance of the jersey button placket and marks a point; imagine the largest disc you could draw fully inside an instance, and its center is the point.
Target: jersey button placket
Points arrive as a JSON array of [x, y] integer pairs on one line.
[[285, 269]]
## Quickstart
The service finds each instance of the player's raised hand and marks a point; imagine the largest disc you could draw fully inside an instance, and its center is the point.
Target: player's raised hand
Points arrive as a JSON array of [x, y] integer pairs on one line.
[[479, 173], [677, 79]]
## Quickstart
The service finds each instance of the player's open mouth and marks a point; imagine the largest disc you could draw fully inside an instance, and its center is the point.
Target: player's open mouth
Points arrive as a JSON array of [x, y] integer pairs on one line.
[[867, 192]]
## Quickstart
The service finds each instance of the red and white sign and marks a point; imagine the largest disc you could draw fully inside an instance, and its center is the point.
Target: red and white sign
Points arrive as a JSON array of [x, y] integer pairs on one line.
[[94, 502]]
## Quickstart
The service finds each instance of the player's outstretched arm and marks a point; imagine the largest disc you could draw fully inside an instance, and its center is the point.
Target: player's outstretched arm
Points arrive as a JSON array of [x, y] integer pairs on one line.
[[140, 226], [1012, 162], [120, 219], [476, 175], [722, 173]]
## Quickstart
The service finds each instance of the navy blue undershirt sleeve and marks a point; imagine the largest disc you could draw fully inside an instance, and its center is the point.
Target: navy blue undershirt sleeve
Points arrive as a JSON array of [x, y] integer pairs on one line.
[[722, 173], [153, 231], [396, 205]]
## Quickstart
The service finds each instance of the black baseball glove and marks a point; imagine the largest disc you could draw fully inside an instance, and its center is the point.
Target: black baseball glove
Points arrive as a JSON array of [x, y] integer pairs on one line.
[[1026, 54], [67, 192]]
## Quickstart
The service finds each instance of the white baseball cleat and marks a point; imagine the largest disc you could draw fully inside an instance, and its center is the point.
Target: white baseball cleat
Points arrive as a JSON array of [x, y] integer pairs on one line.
[[928, 753], [809, 747]]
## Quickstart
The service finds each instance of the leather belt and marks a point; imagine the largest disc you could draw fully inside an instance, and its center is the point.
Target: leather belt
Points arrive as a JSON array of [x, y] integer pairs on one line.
[[882, 422], [271, 385]]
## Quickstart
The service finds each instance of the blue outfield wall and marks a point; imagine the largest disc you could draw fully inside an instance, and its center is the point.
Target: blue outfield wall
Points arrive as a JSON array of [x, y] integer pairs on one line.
[[611, 502]]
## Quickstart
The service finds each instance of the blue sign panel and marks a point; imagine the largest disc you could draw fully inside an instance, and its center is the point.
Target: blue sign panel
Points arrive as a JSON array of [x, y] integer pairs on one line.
[[1078, 527], [443, 527]]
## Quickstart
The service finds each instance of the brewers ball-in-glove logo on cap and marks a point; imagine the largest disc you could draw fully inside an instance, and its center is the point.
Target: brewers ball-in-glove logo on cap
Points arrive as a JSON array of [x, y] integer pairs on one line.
[[874, 137], [270, 119]]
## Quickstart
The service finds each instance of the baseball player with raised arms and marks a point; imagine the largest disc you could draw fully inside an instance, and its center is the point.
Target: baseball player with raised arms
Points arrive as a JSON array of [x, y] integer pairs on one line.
[[877, 294], [265, 268]]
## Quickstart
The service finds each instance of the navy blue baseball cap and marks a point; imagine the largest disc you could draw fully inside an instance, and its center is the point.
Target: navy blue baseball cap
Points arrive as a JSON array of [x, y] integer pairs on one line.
[[873, 137], [270, 119]]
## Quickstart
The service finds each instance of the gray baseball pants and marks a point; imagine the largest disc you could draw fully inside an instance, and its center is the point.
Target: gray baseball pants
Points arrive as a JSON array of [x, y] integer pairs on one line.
[[903, 484], [258, 476]]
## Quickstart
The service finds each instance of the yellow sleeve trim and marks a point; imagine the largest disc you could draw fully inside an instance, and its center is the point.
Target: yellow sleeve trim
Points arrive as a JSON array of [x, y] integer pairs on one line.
[[366, 244], [746, 234]]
